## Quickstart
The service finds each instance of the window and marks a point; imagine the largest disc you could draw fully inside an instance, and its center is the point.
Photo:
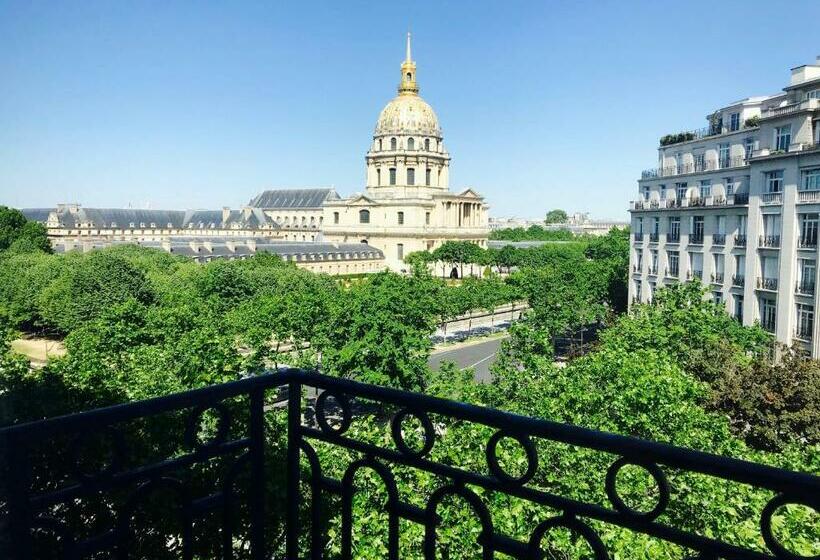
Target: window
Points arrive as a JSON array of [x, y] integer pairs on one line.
[[717, 297], [740, 266], [638, 290], [656, 225], [811, 180], [674, 228], [392, 175], [697, 228], [400, 218], [654, 267], [768, 314], [700, 161], [813, 94], [639, 225], [723, 156], [718, 264], [411, 176], [335, 217], [749, 147], [427, 144], [393, 144], [679, 161], [411, 144], [705, 188], [771, 224], [639, 259], [680, 190], [645, 193], [729, 185], [782, 137], [364, 216], [741, 225], [663, 192], [739, 307], [696, 263], [774, 181], [427, 177], [427, 218], [380, 144], [720, 224], [674, 262], [734, 122], [808, 230], [806, 274], [378, 176], [805, 321], [400, 251]]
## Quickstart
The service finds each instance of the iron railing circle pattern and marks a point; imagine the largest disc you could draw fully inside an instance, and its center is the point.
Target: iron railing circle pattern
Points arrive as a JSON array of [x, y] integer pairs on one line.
[[429, 433], [27, 507], [193, 423], [657, 475], [526, 444], [766, 524]]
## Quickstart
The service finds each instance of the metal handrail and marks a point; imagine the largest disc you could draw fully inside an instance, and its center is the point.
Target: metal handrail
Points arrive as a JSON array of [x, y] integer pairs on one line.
[[25, 504]]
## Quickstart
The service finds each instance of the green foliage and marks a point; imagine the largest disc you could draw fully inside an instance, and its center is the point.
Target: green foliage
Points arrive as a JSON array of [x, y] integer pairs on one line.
[[556, 217], [19, 235], [534, 232]]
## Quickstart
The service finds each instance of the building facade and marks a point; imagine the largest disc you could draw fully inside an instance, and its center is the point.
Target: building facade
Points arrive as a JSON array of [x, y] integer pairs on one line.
[[736, 204], [408, 205]]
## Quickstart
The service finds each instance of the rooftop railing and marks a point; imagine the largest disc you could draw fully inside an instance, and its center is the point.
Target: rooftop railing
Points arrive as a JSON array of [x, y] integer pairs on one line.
[[270, 461], [694, 167]]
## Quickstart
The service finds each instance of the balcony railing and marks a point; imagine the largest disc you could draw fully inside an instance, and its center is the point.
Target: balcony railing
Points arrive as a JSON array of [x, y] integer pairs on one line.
[[273, 497], [771, 198], [803, 333], [805, 287], [767, 284], [696, 238], [738, 280], [808, 196], [653, 237], [653, 271], [717, 278], [688, 168], [673, 237], [719, 239], [740, 198], [638, 236], [807, 242], [694, 274], [636, 268], [672, 272], [770, 241], [740, 240]]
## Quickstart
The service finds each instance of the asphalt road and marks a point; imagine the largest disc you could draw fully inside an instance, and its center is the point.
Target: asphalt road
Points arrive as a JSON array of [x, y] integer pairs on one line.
[[479, 356]]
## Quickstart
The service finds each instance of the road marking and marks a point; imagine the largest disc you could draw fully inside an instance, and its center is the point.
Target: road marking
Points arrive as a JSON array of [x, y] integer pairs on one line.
[[480, 361]]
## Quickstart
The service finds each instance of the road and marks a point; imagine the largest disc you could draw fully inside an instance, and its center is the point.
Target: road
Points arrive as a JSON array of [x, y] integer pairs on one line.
[[479, 356]]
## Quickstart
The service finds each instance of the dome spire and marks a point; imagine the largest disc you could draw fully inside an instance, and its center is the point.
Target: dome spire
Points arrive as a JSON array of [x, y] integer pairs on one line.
[[408, 84]]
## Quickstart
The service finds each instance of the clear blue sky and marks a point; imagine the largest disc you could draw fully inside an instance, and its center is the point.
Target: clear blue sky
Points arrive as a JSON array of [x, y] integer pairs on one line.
[[195, 105]]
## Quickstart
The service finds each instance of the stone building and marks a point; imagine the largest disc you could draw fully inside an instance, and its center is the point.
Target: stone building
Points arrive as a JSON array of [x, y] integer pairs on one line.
[[736, 204], [407, 205]]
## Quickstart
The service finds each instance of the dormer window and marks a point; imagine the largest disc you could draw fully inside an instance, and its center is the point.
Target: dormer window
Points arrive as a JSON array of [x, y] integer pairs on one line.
[[142, 224], [131, 225]]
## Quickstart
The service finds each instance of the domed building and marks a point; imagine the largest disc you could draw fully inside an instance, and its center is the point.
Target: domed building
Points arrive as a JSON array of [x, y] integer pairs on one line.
[[408, 205]]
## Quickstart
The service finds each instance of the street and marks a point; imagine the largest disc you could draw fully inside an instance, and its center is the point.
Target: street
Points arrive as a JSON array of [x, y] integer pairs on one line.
[[479, 356]]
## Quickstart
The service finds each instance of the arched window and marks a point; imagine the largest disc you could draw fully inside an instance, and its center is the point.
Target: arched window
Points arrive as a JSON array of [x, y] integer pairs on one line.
[[335, 217], [393, 144], [392, 175], [409, 77], [364, 216], [411, 176], [378, 177], [427, 144], [411, 144]]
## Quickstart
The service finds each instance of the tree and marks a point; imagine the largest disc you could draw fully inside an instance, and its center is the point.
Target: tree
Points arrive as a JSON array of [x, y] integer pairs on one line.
[[18, 234], [556, 216], [458, 253]]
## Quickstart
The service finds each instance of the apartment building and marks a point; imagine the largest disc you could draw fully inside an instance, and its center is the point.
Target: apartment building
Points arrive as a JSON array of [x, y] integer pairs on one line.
[[736, 204]]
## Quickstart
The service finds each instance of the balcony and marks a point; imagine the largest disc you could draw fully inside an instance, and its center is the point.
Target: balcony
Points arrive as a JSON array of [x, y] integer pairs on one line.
[[740, 240], [636, 268], [769, 284], [770, 241], [740, 198], [717, 278], [672, 272], [638, 236], [653, 237], [275, 498], [653, 271], [808, 197], [673, 237], [805, 288], [718, 239], [803, 333], [693, 167], [696, 201], [738, 280], [694, 274], [696, 238], [771, 198], [807, 242], [792, 108]]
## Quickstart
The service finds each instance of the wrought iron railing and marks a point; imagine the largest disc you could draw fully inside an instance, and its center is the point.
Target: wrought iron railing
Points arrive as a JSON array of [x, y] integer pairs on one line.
[[717, 278], [653, 237], [740, 240], [807, 241], [719, 239], [673, 237], [741, 198], [638, 236], [738, 280], [45, 503], [696, 238], [767, 284], [805, 287], [770, 241]]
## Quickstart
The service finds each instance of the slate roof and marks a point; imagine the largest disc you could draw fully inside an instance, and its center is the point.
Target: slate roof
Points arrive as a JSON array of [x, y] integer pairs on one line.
[[293, 198], [249, 218], [37, 214]]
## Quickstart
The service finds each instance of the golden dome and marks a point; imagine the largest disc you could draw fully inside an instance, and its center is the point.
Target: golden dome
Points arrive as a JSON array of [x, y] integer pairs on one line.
[[408, 114]]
